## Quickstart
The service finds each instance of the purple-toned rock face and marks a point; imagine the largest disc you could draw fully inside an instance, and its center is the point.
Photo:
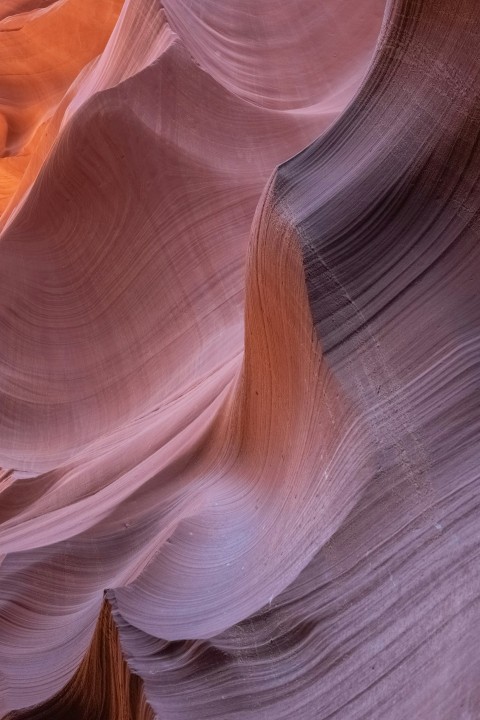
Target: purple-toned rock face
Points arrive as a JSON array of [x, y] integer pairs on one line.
[[240, 360]]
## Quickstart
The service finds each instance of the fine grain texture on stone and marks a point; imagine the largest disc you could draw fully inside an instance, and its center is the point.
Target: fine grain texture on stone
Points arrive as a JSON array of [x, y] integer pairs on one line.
[[239, 360]]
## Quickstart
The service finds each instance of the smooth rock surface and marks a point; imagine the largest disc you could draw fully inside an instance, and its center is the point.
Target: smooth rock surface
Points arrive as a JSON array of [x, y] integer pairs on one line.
[[239, 360]]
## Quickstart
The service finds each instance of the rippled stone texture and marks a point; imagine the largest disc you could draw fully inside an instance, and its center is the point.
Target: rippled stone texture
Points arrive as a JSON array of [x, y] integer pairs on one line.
[[239, 306]]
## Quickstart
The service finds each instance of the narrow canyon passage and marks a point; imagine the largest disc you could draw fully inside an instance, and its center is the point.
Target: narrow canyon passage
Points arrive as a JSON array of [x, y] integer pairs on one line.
[[239, 377]]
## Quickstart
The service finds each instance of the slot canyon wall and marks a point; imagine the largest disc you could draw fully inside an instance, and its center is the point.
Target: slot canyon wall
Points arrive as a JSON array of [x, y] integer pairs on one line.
[[239, 359]]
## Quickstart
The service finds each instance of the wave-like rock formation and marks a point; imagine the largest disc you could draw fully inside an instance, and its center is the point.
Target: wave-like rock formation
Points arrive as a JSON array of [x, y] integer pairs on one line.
[[239, 377]]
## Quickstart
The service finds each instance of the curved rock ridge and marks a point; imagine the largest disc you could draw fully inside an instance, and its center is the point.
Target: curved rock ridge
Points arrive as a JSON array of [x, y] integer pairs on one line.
[[239, 375], [42, 50]]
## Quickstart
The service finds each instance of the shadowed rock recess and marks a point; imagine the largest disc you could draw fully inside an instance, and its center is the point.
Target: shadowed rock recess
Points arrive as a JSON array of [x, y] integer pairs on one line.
[[239, 360], [102, 687]]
